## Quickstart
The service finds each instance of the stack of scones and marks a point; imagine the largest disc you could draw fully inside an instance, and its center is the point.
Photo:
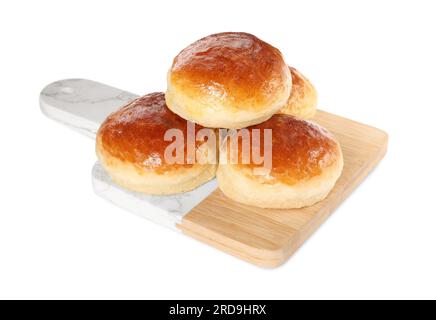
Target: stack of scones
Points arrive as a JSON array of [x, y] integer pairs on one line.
[[234, 110]]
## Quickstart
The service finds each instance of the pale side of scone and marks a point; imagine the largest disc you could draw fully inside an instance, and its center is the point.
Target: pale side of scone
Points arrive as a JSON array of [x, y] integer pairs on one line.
[[306, 163], [303, 99], [228, 80], [131, 147]]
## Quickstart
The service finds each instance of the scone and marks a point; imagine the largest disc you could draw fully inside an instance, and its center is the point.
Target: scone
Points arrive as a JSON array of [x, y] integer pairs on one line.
[[136, 146], [305, 163], [228, 80], [303, 99]]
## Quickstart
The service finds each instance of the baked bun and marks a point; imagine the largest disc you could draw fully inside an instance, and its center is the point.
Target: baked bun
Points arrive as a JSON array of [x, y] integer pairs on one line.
[[131, 147], [303, 99], [228, 80], [306, 163]]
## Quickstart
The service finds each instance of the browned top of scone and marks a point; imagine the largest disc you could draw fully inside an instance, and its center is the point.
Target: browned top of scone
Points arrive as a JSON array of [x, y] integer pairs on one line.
[[136, 132], [239, 68], [300, 149]]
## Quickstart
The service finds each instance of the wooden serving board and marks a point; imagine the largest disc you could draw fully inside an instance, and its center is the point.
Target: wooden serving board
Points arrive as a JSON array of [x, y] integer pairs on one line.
[[268, 237], [265, 237]]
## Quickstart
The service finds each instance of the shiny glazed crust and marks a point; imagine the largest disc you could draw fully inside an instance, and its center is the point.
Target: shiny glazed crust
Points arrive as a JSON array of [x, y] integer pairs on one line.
[[228, 80], [131, 147], [306, 163]]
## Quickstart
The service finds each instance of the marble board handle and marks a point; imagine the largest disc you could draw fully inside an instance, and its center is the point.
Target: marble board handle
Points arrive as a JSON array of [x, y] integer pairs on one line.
[[82, 104]]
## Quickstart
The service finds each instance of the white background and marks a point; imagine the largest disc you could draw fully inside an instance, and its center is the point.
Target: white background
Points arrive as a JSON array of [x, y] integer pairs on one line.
[[371, 61]]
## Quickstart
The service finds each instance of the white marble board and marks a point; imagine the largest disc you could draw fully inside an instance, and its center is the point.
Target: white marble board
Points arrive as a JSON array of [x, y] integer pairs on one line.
[[83, 105]]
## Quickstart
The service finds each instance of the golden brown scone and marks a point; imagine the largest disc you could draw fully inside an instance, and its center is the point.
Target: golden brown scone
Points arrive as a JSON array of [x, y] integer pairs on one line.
[[306, 163], [131, 147], [228, 80], [303, 99]]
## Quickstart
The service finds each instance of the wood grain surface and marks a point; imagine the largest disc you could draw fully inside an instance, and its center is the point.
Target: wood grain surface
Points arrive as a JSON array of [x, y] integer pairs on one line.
[[268, 237]]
